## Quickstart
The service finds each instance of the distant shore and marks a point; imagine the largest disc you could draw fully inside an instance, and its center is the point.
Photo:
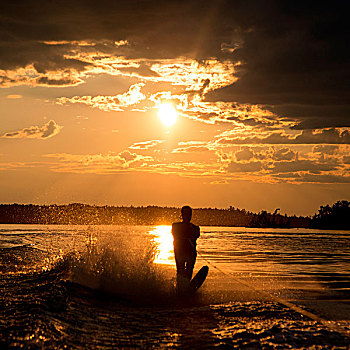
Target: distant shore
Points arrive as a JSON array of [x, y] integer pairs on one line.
[[328, 217], [84, 214]]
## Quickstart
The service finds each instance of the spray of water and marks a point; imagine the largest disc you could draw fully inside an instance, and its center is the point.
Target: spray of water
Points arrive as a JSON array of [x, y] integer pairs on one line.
[[122, 264]]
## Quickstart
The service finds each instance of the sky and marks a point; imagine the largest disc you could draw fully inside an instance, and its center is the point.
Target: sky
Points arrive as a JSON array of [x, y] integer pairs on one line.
[[206, 103]]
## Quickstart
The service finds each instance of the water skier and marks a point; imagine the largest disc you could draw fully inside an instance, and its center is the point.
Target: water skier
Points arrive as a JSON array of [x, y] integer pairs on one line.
[[185, 236]]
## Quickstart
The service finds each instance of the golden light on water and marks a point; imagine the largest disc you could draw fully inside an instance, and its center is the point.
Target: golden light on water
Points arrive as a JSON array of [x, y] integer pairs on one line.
[[164, 241], [167, 114]]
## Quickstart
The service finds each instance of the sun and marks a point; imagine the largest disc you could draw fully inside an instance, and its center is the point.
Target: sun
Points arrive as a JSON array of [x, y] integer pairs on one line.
[[167, 114]]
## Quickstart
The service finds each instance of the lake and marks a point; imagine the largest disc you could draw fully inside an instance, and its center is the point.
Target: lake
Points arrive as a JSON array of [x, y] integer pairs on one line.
[[114, 287]]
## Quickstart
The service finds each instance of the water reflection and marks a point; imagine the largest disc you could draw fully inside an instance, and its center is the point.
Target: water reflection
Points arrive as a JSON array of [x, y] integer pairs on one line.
[[163, 239]]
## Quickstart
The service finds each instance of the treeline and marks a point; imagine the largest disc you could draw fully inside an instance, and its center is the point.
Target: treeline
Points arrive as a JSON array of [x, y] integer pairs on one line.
[[336, 216], [84, 214]]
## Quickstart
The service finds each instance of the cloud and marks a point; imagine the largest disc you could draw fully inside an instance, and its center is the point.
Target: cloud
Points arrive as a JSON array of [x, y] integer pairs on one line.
[[244, 154], [304, 165], [69, 63], [314, 116], [324, 136], [315, 178], [152, 30], [190, 149], [115, 103], [191, 106], [283, 164], [346, 159], [262, 153], [237, 167], [264, 70], [294, 59], [142, 69], [68, 81], [325, 149], [14, 96], [146, 144], [32, 76], [284, 154], [48, 130], [110, 162], [127, 156]]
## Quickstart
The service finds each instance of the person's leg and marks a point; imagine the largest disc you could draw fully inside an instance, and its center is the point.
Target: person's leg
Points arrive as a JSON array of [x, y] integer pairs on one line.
[[190, 265], [181, 278], [180, 264]]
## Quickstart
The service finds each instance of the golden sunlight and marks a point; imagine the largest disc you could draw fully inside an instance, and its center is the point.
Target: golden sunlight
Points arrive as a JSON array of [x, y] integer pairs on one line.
[[167, 114], [164, 241]]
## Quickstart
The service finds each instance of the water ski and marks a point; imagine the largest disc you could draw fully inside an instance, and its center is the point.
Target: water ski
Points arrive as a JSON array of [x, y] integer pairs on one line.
[[199, 279]]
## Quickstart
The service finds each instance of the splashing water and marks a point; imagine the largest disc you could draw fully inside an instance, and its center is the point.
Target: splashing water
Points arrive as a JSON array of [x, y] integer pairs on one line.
[[122, 264]]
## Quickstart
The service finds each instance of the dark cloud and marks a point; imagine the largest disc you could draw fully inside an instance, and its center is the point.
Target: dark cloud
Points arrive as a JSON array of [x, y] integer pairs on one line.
[[48, 130], [284, 154], [315, 178], [244, 154], [154, 29], [293, 54], [301, 165], [294, 58], [296, 170], [325, 149], [251, 121], [20, 52], [58, 82], [315, 116], [143, 70], [236, 167]]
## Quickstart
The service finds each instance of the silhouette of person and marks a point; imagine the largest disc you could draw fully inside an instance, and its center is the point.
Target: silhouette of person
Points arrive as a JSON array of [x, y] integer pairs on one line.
[[185, 236]]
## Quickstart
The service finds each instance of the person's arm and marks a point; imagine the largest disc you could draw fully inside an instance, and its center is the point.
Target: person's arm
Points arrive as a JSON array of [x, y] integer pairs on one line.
[[173, 230], [197, 232]]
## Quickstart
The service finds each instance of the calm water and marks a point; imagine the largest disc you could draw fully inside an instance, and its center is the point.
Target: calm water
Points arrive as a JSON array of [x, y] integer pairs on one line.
[[113, 287]]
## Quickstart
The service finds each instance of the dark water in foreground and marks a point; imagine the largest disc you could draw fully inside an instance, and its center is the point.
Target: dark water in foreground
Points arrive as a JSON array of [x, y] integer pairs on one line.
[[112, 287]]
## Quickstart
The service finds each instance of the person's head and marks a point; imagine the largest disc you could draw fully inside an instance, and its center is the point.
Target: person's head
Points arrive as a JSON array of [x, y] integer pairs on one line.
[[186, 213]]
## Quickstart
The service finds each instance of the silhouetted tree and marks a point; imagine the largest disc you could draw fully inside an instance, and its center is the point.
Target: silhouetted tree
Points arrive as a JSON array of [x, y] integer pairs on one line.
[[335, 217], [84, 214]]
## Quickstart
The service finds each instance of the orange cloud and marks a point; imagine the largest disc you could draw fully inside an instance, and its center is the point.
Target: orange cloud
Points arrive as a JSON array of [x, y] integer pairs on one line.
[[14, 96], [98, 163], [109, 103], [146, 144], [34, 76]]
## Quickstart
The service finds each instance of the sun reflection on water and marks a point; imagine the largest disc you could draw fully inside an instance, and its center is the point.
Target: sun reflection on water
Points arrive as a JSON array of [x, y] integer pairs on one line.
[[164, 241]]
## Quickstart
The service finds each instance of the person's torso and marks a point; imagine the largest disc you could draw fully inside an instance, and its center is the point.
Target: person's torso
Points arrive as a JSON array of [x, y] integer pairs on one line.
[[185, 236]]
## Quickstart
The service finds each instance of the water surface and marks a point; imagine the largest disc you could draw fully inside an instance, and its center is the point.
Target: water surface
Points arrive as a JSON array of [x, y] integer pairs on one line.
[[114, 287]]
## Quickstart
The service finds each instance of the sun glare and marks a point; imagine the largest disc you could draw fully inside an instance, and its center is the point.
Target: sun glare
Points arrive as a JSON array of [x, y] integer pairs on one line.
[[164, 241], [167, 114]]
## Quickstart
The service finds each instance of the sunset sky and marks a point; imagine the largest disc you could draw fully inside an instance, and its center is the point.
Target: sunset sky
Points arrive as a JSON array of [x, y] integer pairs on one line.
[[207, 103]]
